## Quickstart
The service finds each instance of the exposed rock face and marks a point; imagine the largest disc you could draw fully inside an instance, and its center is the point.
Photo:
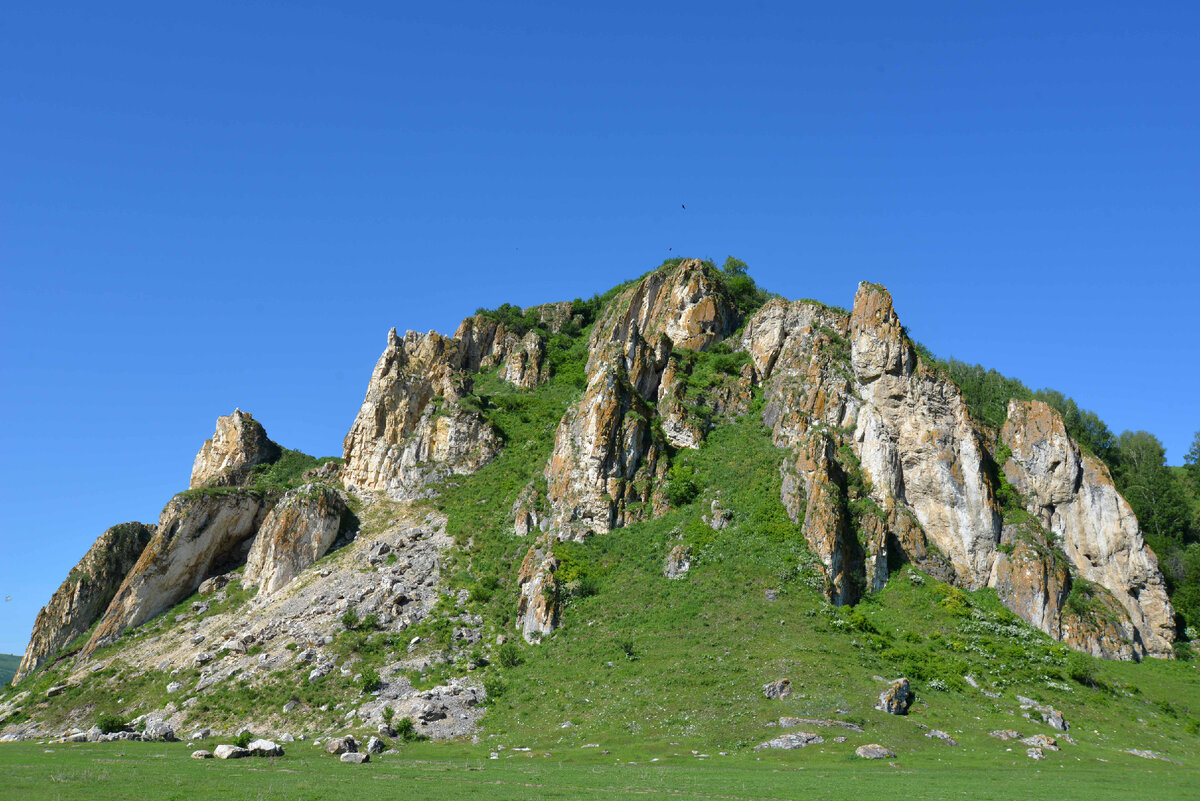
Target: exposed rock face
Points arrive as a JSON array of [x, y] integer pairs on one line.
[[195, 534], [917, 442], [1073, 496], [529, 511], [537, 610], [239, 444], [687, 304], [526, 365], [412, 430], [608, 458], [86, 593], [296, 532]]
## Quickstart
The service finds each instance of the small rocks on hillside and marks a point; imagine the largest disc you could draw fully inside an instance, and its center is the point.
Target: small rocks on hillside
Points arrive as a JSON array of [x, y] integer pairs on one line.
[[780, 688], [790, 742], [874, 751], [789, 722], [355, 757], [374, 746], [896, 699], [938, 734], [202, 754], [1034, 753]]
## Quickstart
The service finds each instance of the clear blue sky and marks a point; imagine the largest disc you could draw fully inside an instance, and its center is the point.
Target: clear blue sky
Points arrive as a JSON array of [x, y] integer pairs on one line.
[[213, 205]]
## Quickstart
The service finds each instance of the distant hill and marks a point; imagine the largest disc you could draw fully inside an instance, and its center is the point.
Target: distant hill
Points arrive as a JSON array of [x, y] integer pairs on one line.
[[8, 667]]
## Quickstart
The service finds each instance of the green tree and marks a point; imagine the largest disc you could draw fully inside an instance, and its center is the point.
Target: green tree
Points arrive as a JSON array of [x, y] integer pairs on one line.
[[1156, 494], [734, 266], [1191, 463]]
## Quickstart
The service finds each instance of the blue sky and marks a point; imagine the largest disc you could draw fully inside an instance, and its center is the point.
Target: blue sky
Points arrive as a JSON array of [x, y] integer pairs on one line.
[[224, 205]]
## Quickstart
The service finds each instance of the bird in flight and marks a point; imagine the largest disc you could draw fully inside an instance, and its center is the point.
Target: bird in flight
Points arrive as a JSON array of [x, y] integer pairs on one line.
[[682, 206], [7, 598]]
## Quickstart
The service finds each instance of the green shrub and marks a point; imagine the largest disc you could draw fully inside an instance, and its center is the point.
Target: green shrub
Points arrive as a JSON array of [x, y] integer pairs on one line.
[[508, 655], [350, 620], [388, 714], [682, 486], [110, 724], [1082, 669], [370, 681], [494, 686], [243, 739], [406, 730]]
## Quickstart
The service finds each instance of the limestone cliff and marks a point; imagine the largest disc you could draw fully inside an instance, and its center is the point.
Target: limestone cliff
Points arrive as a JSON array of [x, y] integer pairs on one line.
[[609, 460], [197, 532], [296, 532], [413, 428], [85, 594], [537, 610], [239, 444], [864, 416], [1073, 496]]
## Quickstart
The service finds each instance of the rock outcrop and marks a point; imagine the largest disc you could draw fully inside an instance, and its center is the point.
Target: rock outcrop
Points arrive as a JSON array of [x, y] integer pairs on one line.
[[86, 593], [525, 364], [413, 428], [537, 610], [917, 442], [197, 533], [296, 532], [1073, 496], [238, 446], [608, 459]]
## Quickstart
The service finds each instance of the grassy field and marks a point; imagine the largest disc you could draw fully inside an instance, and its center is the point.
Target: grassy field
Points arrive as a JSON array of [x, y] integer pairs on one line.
[[423, 771]]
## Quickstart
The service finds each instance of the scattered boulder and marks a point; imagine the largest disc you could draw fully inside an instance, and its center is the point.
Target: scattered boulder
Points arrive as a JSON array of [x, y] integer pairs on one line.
[[158, 730], [174, 687], [1050, 716], [341, 745], [56, 690], [896, 699], [374, 746], [202, 754], [938, 734], [719, 518], [1144, 754], [1034, 753], [225, 751], [1041, 741], [264, 748], [780, 688], [1005, 734], [790, 742], [874, 751], [211, 585], [356, 757]]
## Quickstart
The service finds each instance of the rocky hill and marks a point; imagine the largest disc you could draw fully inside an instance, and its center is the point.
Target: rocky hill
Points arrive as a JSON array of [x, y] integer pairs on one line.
[[524, 487]]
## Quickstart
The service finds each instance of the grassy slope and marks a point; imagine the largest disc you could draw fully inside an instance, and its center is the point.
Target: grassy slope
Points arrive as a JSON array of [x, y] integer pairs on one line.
[[8, 667], [653, 669]]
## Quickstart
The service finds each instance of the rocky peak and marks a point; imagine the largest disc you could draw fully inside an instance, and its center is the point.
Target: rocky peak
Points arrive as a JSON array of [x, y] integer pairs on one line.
[[877, 339], [85, 593], [412, 428], [240, 443], [687, 304]]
